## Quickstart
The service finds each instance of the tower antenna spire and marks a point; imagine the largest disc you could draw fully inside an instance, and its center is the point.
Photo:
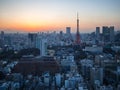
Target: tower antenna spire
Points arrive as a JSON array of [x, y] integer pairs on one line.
[[78, 40], [77, 15]]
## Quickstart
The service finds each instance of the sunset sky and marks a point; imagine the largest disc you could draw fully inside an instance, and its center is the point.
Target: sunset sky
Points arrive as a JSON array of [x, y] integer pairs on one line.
[[51, 15]]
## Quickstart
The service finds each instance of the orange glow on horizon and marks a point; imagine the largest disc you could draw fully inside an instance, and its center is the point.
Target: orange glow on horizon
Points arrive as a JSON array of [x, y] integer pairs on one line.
[[51, 25], [56, 15]]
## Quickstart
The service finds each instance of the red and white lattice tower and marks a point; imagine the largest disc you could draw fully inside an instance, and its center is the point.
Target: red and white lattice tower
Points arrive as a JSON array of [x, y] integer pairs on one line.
[[78, 40]]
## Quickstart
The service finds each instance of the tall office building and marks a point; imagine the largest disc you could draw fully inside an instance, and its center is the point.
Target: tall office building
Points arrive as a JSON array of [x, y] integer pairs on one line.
[[112, 33], [32, 39], [42, 45], [108, 33], [78, 40], [68, 30], [68, 34], [2, 35], [98, 33], [61, 35], [96, 73], [2, 39]]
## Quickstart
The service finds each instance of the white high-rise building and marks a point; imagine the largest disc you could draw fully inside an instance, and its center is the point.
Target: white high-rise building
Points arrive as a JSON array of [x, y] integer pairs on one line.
[[58, 79], [42, 45]]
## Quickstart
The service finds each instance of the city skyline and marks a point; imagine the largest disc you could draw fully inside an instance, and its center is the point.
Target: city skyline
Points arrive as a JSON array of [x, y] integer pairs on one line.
[[59, 45], [52, 15]]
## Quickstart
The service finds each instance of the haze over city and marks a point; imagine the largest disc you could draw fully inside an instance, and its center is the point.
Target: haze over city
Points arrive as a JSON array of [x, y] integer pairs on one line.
[[59, 45], [53, 15]]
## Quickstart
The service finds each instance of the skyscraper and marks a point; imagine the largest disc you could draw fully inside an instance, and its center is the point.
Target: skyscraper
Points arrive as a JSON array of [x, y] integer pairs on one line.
[[112, 33], [68, 30], [2, 39], [32, 39], [108, 34], [98, 33], [96, 73], [68, 34], [42, 45], [78, 40], [2, 35]]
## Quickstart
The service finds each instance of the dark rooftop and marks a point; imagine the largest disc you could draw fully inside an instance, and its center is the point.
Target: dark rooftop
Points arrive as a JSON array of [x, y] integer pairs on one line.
[[36, 66]]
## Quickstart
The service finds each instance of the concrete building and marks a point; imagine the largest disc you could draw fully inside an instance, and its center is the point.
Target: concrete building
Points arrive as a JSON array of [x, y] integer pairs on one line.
[[112, 33], [86, 64], [97, 33], [32, 39], [99, 59], [42, 45], [36, 66], [68, 30], [96, 74], [46, 78], [108, 33], [94, 49], [58, 79]]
